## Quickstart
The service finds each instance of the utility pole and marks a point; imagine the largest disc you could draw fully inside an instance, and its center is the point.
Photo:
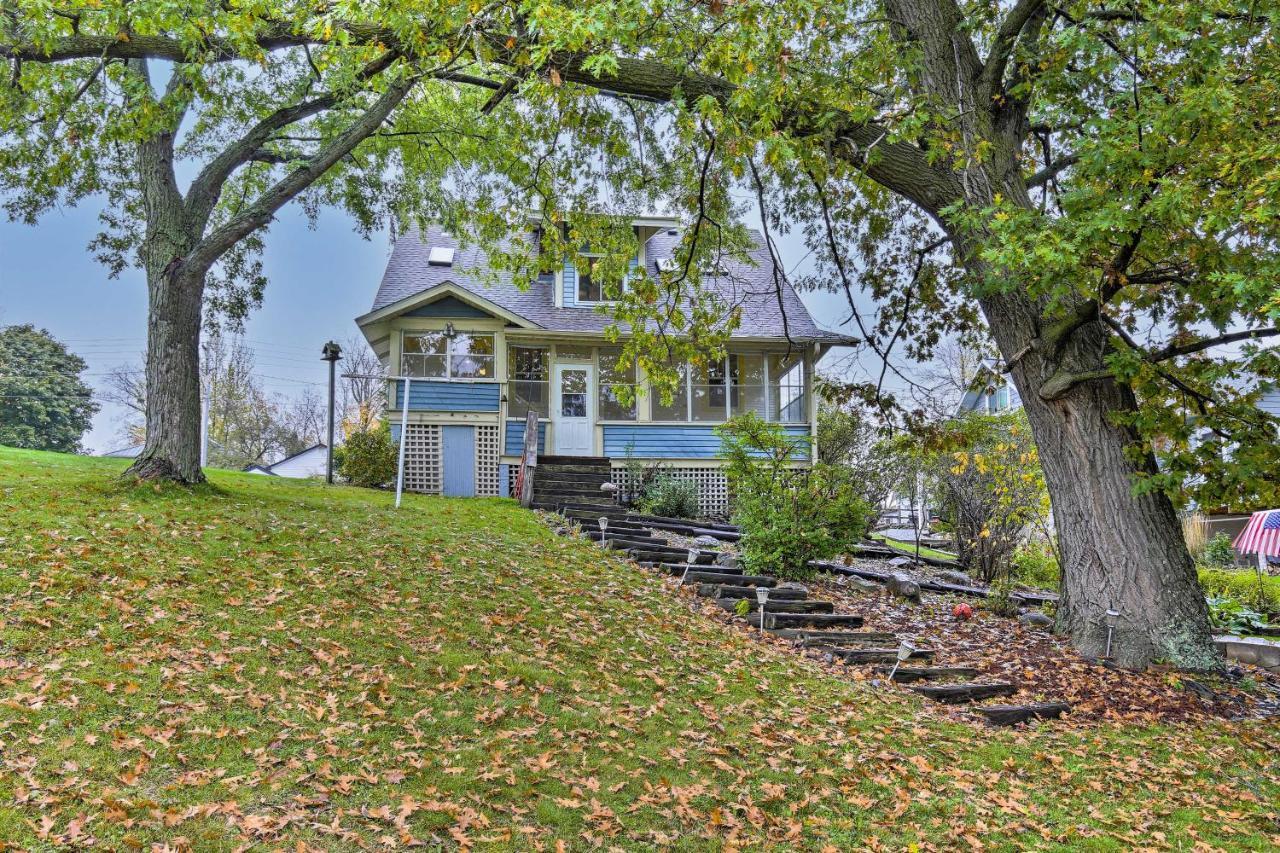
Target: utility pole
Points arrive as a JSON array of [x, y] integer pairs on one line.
[[331, 353]]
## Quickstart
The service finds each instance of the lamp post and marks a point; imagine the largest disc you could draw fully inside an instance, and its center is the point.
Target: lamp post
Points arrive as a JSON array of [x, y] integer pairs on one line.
[[331, 353], [762, 598], [905, 650]]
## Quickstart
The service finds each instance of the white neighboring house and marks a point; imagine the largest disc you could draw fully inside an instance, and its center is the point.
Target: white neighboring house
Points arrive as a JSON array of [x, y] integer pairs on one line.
[[130, 452], [309, 463]]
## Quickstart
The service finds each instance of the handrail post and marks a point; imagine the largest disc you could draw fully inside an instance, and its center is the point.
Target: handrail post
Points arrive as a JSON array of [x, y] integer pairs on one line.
[[404, 430], [528, 460]]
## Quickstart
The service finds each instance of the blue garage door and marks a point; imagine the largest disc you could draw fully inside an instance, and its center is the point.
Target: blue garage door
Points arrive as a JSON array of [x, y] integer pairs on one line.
[[459, 458]]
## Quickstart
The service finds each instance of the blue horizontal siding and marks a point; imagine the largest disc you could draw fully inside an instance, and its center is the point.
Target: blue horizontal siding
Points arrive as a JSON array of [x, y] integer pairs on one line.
[[570, 283], [448, 306], [669, 441], [427, 396], [513, 441]]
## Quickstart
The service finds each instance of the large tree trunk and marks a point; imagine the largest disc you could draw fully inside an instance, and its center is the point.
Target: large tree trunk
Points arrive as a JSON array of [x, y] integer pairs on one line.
[[175, 293], [1120, 550], [172, 448]]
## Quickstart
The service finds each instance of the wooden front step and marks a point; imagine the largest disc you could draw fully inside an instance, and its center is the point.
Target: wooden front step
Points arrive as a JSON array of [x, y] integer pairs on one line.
[[654, 555], [955, 694], [813, 620]]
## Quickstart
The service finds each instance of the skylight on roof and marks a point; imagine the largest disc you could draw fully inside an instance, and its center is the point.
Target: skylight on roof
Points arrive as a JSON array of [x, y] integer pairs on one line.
[[440, 256]]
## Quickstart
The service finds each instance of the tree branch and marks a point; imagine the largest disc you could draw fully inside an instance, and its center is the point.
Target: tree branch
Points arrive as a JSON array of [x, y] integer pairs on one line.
[[1051, 171], [207, 187], [260, 212], [1172, 351], [1006, 38]]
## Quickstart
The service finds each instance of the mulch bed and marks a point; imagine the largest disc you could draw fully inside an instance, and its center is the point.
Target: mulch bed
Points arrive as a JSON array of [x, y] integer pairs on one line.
[[1046, 668]]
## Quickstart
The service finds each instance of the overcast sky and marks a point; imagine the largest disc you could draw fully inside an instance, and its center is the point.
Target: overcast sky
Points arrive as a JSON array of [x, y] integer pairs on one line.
[[319, 281]]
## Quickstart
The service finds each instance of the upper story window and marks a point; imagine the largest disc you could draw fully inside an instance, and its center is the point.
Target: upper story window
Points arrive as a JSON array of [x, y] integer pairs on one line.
[[589, 285], [437, 355], [527, 381]]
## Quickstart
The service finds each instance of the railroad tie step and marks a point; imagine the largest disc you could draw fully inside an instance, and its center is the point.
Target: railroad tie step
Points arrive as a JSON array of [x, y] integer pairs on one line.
[[812, 620], [906, 674], [642, 553], [791, 607], [811, 637], [857, 657], [678, 569], [720, 590], [954, 694], [1008, 715], [736, 580]]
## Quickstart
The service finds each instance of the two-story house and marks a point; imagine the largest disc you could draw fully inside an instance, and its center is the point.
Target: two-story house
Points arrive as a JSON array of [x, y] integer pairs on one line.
[[478, 353]]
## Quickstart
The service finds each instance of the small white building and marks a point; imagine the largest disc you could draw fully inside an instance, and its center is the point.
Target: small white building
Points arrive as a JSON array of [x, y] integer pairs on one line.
[[306, 464]]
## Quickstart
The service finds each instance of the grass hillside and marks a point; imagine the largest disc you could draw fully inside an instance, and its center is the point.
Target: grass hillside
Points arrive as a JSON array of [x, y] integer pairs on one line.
[[288, 666]]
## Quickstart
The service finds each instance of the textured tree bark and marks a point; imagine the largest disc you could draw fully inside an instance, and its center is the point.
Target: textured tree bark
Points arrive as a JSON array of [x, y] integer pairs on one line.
[[172, 448]]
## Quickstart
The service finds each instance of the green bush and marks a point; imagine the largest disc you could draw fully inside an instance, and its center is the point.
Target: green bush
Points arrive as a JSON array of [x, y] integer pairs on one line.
[[671, 497], [1227, 614], [1219, 553], [789, 515], [367, 458], [1000, 600], [1034, 564], [1245, 588]]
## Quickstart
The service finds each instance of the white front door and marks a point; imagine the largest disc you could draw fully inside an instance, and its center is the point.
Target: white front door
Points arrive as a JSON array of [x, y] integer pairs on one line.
[[573, 409]]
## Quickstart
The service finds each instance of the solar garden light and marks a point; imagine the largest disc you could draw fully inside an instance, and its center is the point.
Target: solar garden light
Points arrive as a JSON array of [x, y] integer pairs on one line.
[[1112, 619], [905, 650], [689, 559], [604, 526], [762, 596]]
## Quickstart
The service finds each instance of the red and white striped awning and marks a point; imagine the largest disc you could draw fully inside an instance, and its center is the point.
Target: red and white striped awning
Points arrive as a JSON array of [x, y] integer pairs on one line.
[[1261, 534]]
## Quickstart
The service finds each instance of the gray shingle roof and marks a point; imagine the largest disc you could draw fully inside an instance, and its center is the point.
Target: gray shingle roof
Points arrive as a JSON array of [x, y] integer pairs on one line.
[[750, 286]]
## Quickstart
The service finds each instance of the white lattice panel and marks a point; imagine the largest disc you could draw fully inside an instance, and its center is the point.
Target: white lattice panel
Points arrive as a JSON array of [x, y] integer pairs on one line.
[[513, 471], [422, 468], [713, 488], [487, 453]]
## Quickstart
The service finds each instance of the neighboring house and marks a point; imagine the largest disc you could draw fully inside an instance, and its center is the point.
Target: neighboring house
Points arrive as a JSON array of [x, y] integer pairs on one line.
[[130, 452], [312, 462], [990, 392], [480, 353]]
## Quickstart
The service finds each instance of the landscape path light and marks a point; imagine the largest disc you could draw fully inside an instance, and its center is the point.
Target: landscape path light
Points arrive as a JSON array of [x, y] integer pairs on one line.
[[905, 651], [762, 596], [603, 521], [689, 559], [1113, 619]]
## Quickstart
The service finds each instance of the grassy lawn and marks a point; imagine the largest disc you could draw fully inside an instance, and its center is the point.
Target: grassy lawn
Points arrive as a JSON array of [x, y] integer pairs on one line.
[[287, 666], [910, 548]]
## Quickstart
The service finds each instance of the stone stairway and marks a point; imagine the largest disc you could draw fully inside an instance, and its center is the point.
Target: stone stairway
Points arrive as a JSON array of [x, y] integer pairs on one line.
[[790, 614], [576, 480]]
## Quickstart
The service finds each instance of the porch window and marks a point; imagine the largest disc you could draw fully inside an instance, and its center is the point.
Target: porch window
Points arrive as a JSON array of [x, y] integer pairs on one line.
[[678, 409], [746, 373], [709, 389], [435, 355], [787, 394], [527, 382], [613, 380]]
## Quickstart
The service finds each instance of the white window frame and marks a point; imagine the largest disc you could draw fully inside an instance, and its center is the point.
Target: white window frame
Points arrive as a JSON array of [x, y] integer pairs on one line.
[[449, 355]]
